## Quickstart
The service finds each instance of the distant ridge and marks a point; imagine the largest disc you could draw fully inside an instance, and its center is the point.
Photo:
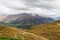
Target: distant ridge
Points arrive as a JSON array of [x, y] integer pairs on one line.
[[25, 20], [24, 16]]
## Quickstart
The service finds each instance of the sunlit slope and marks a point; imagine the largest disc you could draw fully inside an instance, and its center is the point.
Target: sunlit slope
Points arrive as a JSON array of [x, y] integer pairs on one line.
[[50, 31], [17, 33]]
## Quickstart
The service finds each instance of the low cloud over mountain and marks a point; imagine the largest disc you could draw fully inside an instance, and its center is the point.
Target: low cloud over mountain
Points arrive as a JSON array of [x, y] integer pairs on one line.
[[42, 7]]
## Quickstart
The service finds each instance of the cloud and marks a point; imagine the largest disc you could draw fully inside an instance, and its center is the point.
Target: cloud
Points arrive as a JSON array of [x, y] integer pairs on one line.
[[41, 7]]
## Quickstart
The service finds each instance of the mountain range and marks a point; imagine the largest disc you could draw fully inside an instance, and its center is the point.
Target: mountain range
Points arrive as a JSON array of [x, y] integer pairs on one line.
[[24, 20]]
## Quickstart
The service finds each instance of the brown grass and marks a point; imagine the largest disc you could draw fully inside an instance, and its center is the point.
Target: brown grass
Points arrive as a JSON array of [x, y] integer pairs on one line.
[[17, 33], [50, 31]]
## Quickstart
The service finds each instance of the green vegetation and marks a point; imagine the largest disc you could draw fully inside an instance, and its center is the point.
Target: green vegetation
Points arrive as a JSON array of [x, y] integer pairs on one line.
[[8, 38]]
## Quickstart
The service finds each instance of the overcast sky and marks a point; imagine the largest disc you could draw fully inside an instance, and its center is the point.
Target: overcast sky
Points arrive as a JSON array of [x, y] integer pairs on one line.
[[41, 7]]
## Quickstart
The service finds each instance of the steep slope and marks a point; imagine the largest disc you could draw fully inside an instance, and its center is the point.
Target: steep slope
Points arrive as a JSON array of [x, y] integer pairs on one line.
[[50, 31], [25, 20], [17, 33]]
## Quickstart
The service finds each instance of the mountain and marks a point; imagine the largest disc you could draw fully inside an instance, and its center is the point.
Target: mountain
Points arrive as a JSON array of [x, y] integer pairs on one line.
[[57, 18], [11, 33], [25, 20], [50, 30], [24, 16], [2, 17]]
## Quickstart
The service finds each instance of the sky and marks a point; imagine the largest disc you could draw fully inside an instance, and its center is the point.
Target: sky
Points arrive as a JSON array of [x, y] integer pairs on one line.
[[42, 7]]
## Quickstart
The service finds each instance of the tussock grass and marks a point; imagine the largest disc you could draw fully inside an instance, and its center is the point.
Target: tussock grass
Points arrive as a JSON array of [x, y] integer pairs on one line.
[[50, 31]]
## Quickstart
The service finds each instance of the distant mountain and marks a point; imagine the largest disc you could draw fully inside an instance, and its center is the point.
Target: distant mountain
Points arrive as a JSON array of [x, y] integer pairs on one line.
[[2, 17], [57, 18], [25, 20], [27, 16]]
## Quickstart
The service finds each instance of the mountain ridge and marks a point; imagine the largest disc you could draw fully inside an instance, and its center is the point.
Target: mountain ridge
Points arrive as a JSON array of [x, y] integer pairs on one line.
[[25, 20]]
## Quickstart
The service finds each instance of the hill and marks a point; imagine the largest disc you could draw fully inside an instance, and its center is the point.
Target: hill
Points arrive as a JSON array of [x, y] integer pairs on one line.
[[50, 31], [25, 20], [10, 32]]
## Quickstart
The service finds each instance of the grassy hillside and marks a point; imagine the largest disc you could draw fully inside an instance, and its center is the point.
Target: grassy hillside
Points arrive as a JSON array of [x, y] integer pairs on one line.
[[12, 32], [50, 31]]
